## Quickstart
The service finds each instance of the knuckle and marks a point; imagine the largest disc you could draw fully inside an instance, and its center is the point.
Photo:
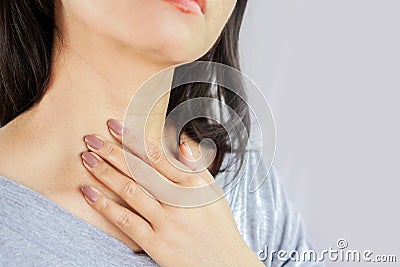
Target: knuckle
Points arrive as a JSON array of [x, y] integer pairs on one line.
[[124, 220], [103, 204], [130, 139], [144, 235], [194, 181], [102, 170], [138, 169], [155, 155], [109, 150], [129, 189]]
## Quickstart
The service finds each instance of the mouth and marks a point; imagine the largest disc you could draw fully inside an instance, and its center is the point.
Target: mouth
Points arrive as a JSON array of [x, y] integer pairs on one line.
[[189, 6]]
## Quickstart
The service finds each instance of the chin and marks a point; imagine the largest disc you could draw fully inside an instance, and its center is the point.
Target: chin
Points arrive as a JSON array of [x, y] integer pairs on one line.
[[171, 39], [177, 51], [186, 54]]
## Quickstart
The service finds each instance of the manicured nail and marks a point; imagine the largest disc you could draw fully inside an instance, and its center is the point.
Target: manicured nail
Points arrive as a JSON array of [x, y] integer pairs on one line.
[[94, 142], [89, 159], [116, 127], [188, 149], [90, 193]]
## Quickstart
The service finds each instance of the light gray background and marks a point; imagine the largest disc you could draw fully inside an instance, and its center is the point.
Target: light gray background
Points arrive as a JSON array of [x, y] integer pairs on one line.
[[331, 72]]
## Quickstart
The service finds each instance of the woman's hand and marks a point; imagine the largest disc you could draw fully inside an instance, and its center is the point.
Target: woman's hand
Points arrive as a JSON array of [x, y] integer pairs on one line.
[[172, 236]]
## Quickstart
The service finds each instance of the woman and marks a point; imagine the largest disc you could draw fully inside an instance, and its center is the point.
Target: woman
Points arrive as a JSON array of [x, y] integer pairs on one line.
[[70, 66]]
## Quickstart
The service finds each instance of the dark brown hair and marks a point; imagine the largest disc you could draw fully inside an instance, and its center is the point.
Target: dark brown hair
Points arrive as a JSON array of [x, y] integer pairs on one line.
[[26, 43]]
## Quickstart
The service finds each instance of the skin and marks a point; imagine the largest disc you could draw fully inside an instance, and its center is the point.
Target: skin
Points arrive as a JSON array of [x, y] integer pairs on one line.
[[102, 58], [164, 231]]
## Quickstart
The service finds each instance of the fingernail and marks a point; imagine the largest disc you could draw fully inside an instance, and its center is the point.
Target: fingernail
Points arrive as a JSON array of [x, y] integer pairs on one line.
[[89, 193], [94, 142], [188, 149], [116, 127], [89, 159]]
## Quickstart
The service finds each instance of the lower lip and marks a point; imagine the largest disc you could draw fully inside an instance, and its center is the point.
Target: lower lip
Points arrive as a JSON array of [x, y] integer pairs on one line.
[[186, 6]]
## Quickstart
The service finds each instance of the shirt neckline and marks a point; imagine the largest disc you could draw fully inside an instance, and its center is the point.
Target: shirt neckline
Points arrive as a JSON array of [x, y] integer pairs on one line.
[[106, 239]]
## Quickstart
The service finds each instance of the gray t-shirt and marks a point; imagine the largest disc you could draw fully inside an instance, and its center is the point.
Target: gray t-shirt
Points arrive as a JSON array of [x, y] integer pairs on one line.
[[35, 231]]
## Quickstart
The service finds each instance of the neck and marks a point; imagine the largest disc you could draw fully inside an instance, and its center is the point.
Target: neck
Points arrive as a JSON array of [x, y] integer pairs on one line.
[[91, 81], [83, 94], [84, 91]]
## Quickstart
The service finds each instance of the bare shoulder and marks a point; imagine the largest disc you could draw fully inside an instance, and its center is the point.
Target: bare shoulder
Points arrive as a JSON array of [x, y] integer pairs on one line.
[[4, 144], [9, 153]]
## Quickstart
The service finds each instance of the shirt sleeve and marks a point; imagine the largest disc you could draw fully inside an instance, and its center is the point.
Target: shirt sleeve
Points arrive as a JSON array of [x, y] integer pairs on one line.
[[268, 222]]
